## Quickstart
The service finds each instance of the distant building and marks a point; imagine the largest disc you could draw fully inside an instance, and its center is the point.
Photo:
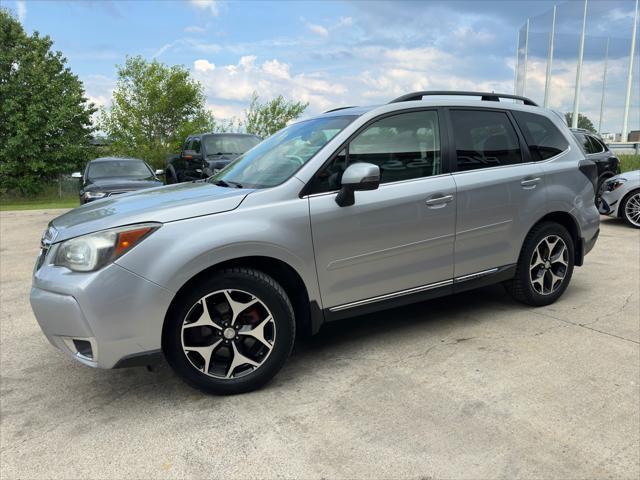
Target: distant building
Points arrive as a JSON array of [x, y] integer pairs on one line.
[[634, 136], [611, 137]]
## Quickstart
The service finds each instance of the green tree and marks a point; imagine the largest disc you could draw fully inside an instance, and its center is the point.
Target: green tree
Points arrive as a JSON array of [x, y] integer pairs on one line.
[[583, 121], [265, 119], [153, 109], [45, 119]]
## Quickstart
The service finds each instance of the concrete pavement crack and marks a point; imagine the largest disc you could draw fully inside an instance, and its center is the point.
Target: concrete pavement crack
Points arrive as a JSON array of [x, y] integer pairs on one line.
[[585, 326]]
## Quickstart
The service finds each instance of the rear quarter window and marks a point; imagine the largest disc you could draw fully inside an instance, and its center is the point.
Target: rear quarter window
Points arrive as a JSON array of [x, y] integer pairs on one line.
[[544, 139]]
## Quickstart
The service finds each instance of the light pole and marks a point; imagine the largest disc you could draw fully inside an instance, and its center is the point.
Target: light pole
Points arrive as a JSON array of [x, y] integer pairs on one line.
[[604, 84], [547, 83], [627, 99], [576, 95]]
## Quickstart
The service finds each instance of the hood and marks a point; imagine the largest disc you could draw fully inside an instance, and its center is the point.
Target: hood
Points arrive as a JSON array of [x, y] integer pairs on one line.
[[161, 204], [115, 183]]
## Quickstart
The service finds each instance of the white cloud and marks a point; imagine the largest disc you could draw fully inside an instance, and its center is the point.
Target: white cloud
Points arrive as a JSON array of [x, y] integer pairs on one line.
[[21, 7], [317, 29], [344, 22], [194, 29], [211, 6], [276, 69], [203, 66]]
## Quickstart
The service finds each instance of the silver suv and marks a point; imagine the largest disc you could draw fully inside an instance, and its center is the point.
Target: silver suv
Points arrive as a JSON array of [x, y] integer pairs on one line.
[[355, 210]]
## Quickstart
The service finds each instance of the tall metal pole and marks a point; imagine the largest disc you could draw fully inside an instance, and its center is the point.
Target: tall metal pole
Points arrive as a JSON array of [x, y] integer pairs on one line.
[[604, 84], [576, 95], [526, 59], [547, 83], [627, 100], [515, 82]]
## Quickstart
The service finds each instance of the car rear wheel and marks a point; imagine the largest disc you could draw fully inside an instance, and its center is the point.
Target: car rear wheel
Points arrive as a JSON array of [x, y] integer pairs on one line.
[[232, 333], [630, 209], [545, 265], [170, 176]]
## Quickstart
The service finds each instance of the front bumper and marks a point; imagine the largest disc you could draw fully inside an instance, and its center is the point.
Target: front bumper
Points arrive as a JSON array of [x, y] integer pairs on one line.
[[101, 318]]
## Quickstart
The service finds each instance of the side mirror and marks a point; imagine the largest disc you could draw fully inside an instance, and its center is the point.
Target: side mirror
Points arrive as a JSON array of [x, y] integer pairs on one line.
[[76, 175], [159, 172], [191, 155], [357, 176]]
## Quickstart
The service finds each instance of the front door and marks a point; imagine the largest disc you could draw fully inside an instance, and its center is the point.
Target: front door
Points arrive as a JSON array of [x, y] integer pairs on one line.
[[398, 237]]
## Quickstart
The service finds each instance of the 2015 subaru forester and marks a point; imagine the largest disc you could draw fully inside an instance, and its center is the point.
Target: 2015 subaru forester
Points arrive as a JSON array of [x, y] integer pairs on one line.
[[355, 210]]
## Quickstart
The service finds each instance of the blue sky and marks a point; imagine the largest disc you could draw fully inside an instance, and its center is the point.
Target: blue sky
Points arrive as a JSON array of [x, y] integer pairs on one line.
[[336, 53]]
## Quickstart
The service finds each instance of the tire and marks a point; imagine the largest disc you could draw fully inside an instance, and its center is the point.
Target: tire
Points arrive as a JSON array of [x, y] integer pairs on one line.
[[537, 281], [189, 337], [170, 176], [630, 208]]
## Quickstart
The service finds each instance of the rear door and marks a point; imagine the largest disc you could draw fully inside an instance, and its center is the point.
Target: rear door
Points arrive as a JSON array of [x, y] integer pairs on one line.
[[397, 237], [500, 191]]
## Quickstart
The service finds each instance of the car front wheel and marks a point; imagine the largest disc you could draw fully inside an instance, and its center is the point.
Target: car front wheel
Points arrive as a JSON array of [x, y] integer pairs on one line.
[[545, 265], [232, 333], [630, 209]]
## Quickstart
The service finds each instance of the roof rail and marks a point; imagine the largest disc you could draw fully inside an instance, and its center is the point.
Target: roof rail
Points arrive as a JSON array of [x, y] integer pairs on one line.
[[486, 96], [339, 108]]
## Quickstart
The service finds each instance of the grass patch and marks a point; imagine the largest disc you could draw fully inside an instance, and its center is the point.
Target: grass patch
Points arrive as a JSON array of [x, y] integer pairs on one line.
[[37, 203], [629, 162]]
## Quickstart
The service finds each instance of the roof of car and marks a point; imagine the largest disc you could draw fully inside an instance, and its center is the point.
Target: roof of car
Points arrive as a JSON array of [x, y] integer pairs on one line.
[[120, 159]]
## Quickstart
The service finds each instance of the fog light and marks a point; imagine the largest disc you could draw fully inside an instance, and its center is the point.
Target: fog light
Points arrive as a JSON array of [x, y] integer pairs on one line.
[[83, 347]]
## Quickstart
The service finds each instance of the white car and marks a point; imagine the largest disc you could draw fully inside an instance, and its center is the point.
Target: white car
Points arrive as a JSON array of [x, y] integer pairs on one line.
[[621, 197]]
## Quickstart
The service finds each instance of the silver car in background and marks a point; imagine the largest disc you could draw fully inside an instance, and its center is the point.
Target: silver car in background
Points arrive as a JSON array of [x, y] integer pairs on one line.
[[621, 197], [356, 210]]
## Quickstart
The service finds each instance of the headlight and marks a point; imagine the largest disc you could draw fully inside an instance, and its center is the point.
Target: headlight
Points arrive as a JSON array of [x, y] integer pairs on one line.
[[93, 195], [92, 252], [614, 184]]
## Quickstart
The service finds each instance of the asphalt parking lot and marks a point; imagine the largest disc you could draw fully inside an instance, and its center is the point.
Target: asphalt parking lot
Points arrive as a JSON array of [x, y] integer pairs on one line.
[[470, 386]]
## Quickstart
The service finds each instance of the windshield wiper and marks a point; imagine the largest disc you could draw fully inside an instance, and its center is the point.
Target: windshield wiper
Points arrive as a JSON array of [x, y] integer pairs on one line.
[[222, 183], [220, 153]]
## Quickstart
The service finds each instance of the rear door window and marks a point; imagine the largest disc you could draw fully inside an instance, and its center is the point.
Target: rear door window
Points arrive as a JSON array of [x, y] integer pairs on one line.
[[542, 136], [594, 145], [484, 139]]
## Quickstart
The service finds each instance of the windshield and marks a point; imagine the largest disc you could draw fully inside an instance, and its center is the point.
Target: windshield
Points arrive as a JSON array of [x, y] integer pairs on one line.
[[217, 144], [278, 157], [118, 168]]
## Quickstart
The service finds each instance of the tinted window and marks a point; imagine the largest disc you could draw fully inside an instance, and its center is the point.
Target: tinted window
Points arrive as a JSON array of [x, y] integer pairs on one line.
[[229, 144], [404, 146], [118, 168], [542, 136], [484, 139], [583, 141], [195, 145], [594, 145]]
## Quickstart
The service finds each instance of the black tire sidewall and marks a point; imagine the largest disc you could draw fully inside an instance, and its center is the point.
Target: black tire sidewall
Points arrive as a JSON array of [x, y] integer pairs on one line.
[[276, 301], [542, 231]]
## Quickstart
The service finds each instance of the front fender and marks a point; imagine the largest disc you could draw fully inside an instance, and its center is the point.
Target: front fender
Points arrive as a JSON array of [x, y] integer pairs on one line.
[[180, 250]]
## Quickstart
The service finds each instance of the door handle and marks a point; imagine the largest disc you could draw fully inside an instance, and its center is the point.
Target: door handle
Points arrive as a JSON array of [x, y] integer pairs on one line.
[[439, 201], [529, 183]]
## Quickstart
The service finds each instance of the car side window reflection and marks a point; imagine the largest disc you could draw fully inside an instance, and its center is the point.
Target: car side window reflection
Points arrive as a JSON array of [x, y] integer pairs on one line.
[[404, 146]]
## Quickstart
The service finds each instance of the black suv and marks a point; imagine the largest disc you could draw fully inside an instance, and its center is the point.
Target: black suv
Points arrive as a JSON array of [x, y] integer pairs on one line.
[[204, 154], [597, 151]]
